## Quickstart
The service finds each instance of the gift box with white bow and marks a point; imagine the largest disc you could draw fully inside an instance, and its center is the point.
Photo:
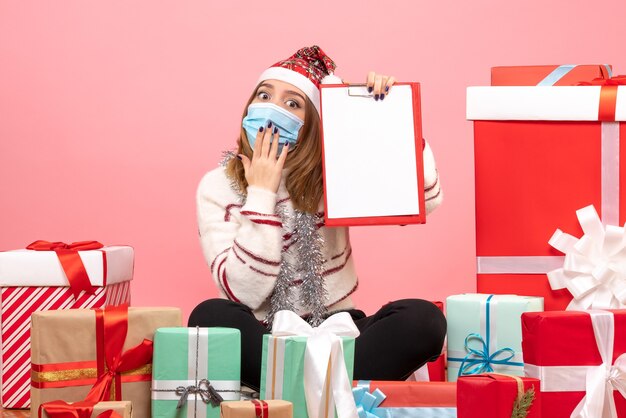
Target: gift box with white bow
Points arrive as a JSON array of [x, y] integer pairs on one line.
[[580, 358], [541, 153], [194, 369], [594, 268], [310, 367], [485, 333]]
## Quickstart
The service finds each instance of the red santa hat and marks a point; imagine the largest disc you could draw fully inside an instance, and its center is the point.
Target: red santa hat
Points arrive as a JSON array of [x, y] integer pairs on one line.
[[306, 69]]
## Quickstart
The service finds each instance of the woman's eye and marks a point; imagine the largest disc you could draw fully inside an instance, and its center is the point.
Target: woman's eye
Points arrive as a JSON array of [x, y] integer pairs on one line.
[[293, 103], [263, 95]]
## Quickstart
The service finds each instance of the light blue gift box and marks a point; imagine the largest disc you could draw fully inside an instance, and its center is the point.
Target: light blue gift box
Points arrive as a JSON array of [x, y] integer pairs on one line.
[[485, 333]]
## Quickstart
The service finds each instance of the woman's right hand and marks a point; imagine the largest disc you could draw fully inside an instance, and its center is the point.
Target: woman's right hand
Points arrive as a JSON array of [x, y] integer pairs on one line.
[[265, 170]]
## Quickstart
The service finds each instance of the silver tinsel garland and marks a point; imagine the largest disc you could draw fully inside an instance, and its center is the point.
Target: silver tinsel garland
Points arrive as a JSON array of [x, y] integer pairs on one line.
[[308, 244], [282, 295]]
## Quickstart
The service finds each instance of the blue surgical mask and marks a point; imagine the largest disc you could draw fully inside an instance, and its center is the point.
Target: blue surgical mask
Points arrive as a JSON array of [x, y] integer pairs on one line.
[[259, 114]]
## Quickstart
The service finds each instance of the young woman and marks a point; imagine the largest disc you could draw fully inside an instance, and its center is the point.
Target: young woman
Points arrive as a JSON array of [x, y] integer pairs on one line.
[[261, 224]]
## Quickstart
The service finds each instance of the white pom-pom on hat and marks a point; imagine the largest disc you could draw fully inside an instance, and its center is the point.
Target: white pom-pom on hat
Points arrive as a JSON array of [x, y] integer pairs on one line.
[[332, 79]]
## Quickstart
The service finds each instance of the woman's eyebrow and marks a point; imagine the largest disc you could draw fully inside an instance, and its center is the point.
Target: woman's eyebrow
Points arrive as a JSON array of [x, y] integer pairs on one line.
[[295, 93], [269, 86]]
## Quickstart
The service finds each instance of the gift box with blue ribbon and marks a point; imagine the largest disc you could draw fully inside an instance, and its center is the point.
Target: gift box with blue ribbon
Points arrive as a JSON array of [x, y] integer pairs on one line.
[[485, 333], [387, 399]]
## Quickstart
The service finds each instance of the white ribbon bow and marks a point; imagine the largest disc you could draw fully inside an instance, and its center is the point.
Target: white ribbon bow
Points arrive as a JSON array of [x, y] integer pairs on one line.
[[324, 351], [594, 270], [603, 379]]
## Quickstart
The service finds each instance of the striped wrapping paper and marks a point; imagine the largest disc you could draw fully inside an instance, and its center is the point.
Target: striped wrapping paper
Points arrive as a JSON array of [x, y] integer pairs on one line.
[[36, 281], [16, 306]]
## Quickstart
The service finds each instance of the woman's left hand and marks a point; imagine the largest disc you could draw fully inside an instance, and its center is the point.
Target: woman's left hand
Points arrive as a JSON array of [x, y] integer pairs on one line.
[[379, 85]]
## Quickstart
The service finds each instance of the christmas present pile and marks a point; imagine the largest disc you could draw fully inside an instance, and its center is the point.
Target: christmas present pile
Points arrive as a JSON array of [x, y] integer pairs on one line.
[[545, 147]]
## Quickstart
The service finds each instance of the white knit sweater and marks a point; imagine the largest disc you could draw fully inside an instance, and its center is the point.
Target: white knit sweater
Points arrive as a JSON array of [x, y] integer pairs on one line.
[[243, 244]]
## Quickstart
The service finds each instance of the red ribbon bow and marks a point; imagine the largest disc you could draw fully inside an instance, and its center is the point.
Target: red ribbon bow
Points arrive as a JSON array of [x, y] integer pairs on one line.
[[62, 409], [608, 95], [71, 262], [111, 330]]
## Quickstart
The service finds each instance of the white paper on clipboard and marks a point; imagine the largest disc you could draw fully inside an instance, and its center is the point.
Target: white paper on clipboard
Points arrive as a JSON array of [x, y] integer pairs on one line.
[[369, 153]]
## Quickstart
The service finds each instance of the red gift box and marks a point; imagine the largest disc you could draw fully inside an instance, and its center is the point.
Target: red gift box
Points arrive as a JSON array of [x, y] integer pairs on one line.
[[414, 395], [541, 153], [554, 75], [36, 281], [493, 395], [561, 349]]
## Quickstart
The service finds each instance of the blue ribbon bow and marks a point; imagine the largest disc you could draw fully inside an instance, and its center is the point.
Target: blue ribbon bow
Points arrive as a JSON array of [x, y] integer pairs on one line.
[[480, 360], [366, 402]]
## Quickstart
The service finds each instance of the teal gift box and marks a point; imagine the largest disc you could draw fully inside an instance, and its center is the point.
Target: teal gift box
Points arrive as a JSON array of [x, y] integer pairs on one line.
[[485, 333], [282, 370], [188, 365]]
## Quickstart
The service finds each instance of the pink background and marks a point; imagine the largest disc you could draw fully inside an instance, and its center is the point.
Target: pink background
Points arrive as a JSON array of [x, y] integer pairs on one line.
[[111, 111]]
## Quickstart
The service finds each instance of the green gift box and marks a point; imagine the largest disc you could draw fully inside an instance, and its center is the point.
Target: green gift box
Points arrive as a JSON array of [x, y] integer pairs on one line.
[[485, 333], [188, 365], [282, 370]]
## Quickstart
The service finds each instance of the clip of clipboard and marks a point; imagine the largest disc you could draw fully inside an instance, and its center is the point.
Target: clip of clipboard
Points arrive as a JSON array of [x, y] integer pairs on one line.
[[372, 156]]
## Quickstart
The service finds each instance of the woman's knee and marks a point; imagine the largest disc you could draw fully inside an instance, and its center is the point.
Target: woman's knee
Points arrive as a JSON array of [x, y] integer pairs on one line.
[[213, 312], [424, 320]]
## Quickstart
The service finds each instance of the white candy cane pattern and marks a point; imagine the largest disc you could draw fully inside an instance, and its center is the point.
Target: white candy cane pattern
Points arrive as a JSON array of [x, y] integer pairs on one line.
[[16, 306]]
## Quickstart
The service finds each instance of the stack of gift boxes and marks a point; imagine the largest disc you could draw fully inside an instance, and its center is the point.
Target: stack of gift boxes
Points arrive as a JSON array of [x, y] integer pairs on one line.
[[545, 337]]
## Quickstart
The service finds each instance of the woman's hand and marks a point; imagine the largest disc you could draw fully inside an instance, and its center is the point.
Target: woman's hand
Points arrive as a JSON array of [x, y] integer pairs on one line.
[[265, 170], [379, 84]]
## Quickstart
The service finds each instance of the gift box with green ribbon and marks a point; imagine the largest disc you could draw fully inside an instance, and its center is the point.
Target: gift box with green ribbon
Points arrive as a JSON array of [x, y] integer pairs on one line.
[[310, 367], [485, 333], [194, 370]]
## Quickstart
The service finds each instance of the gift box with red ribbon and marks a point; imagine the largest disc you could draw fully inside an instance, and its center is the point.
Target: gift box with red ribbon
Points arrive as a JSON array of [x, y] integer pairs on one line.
[[95, 355], [547, 75], [541, 153], [494, 395], [257, 409], [61, 409], [393, 399], [49, 276], [580, 358]]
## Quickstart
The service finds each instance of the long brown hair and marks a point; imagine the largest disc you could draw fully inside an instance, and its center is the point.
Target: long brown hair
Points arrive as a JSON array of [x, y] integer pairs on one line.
[[303, 164]]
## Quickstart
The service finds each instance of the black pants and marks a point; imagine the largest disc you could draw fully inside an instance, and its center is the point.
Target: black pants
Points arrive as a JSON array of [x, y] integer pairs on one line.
[[394, 342]]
